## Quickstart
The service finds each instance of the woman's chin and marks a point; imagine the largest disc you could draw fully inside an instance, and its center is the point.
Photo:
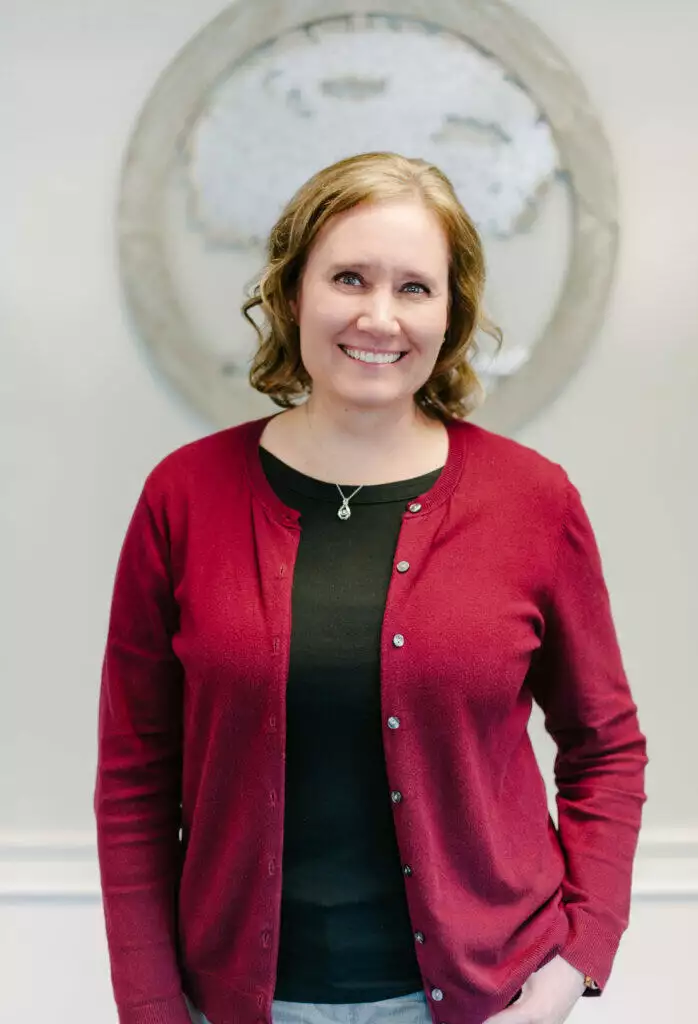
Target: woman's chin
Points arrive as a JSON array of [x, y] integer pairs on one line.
[[371, 395]]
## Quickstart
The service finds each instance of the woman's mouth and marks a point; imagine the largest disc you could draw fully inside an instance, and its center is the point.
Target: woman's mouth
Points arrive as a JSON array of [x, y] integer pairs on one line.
[[373, 358]]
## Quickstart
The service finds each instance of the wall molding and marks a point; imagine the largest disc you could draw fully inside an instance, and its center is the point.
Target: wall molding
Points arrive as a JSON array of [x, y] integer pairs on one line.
[[666, 866], [49, 865], [63, 865]]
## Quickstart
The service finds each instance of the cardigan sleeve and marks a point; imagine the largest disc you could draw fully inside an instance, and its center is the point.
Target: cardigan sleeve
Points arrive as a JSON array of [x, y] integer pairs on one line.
[[581, 686], [137, 797]]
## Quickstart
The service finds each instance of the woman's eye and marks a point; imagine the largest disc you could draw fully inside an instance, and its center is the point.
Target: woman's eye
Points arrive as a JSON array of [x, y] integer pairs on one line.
[[346, 273], [342, 278]]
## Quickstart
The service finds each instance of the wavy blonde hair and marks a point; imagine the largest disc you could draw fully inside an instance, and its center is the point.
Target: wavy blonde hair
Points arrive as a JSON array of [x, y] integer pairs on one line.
[[453, 389]]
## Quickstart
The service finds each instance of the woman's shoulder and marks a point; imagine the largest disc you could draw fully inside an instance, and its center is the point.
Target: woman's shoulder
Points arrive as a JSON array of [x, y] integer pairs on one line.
[[202, 463], [509, 466], [500, 449]]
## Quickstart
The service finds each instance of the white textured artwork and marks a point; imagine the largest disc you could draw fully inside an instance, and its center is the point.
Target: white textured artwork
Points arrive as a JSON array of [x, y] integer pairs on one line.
[[325, 92], [271, 91]]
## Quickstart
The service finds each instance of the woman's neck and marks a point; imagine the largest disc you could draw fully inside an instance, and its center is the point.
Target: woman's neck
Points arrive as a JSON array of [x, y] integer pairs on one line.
[[345, 447]]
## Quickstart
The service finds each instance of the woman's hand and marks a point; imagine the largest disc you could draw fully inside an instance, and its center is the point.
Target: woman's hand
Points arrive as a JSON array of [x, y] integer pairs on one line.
[[547, 997]]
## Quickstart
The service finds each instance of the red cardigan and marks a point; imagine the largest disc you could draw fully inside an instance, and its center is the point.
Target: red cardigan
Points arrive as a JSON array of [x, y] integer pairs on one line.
[[504, 603]]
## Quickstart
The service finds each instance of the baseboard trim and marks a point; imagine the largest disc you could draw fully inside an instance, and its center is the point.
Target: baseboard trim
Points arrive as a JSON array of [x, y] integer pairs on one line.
[[666, 866], [49, 866], [64, 866]]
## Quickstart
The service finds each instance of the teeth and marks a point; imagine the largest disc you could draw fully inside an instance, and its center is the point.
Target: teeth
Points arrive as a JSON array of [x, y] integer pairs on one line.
[[372, 357]]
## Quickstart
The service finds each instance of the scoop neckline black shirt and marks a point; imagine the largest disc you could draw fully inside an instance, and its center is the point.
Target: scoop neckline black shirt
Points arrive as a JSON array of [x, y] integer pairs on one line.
[[345, 930]]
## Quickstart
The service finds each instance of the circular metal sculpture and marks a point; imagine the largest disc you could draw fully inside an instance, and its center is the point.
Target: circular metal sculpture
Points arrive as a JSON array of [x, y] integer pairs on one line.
[[270, 92]]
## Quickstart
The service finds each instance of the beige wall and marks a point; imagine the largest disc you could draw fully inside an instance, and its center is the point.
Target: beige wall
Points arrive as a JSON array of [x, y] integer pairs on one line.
[[85, 417]]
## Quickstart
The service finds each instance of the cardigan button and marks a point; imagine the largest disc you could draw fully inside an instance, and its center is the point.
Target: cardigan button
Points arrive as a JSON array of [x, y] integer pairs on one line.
[[393, 722], [419, 936], [407, 871], [396, 796], [398, 640], [402, 566], [415, 507], [437, 995]]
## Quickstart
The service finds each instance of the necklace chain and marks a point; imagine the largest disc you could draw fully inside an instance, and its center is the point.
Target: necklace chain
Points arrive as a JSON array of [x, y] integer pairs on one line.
[[344, 511]]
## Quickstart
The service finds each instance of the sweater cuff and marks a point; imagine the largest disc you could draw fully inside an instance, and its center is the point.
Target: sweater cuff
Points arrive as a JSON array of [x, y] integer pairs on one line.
[[590, 948], [162, 1011]]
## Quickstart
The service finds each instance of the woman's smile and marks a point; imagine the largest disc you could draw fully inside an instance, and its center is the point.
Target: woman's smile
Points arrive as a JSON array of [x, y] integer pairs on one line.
[[372, 357]]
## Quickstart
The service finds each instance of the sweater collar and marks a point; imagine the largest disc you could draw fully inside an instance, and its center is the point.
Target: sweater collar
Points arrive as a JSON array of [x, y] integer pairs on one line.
[[458, 448]]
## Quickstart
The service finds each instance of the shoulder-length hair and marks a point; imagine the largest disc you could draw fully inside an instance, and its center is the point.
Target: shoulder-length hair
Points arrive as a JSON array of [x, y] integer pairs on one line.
[[453, 389]]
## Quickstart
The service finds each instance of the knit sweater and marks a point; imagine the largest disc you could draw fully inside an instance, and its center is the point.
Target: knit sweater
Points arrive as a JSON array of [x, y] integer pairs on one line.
[[496, 599]]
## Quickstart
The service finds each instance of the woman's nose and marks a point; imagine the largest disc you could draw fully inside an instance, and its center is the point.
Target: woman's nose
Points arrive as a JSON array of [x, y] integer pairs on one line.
[[379, 315]]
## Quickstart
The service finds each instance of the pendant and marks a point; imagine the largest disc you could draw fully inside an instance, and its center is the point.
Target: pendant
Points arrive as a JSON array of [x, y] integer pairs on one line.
[[345, 511]]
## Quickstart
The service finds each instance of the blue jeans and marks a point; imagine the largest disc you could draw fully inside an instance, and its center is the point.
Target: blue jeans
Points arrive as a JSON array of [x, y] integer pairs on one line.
[[410, 1009]]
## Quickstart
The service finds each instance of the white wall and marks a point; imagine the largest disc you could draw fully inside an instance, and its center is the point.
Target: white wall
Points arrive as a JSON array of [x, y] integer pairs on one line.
[[84, 417]]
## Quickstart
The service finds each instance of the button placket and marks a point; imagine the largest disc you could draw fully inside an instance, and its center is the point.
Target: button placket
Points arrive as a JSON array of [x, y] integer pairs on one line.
[[396, 795]]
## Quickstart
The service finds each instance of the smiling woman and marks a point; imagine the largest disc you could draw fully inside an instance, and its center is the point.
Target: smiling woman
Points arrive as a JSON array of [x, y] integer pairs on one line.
[[316, 784], [374, 253], [378, 317]]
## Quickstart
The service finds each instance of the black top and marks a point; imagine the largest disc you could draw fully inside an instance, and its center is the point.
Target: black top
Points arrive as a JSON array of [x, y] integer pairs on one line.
[[346, 935]]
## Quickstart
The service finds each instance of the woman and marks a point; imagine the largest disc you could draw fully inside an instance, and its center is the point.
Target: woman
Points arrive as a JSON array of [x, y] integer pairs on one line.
[[327, 630]]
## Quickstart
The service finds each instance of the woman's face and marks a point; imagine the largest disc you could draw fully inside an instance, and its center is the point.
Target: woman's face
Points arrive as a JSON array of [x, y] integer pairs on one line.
[[375, 284]]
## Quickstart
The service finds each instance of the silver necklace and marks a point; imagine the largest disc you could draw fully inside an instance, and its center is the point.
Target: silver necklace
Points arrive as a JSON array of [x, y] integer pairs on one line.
[[345, 511]]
